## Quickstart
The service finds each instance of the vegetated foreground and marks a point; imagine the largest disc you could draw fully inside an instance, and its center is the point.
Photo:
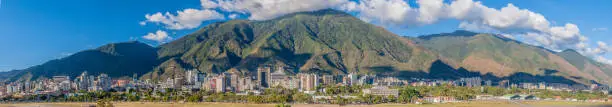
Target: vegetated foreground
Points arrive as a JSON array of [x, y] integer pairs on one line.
[[461, 104]]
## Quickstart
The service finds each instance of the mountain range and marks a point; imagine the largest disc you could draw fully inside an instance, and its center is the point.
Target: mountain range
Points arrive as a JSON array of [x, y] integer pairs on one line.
[[328, 42]]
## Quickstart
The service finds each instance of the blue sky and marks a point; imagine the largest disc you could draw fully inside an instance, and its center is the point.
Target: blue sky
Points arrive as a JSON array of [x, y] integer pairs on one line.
[[35, 31]]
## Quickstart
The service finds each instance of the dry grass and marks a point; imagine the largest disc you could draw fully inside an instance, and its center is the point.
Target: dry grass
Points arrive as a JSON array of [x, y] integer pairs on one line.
[[462, 104]]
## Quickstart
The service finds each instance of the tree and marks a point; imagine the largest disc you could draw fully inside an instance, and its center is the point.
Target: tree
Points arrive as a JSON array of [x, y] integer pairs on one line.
[[341, 101], [391, 99], [301, 97], [104, 103], [367, 98], [377, 99], [406, 94], [255, 99], [194, 98], [282, 105]]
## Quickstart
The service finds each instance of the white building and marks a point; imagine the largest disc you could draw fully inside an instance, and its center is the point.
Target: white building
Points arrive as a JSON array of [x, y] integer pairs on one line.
[[381, 91]]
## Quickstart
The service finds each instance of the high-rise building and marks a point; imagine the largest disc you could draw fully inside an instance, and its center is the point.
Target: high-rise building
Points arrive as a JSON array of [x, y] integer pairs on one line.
[[220, 83], [542, 85], [278, 78], [472, 82], [27, 87], [328, 79], [244, 84], [489, 83], [193, 76], [309, 82], [233, 80], [353, 79], [10, 89], [58, 79], [104, 82], [365, 79], [263, 76], [82, 81]]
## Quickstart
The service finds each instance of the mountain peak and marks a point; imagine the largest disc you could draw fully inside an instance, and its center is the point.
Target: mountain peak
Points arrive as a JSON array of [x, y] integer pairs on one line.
[[125, 47], [464, 32], [457, 33], [571, 51], [323, 12]]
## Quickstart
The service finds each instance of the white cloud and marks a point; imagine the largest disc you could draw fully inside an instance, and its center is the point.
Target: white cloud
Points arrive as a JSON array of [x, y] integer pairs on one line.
[[601, 29], [268, 9], [208, 4], [601, 49], [476, 27], [186, 19], [233, 16], [474, 16], [386, 12], [159, 36], [603, 60]]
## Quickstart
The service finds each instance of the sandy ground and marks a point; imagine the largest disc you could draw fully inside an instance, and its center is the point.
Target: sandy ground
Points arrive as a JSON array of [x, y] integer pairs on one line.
[[464, 104]]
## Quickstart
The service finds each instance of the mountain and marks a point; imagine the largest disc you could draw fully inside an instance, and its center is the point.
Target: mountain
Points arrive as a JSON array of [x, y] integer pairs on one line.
[[116, 60], [328, 42], [325, 41], [587, 65], [504, 57]]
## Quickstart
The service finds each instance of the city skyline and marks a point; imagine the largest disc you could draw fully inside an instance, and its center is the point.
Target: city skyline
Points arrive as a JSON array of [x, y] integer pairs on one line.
[[307, 53]]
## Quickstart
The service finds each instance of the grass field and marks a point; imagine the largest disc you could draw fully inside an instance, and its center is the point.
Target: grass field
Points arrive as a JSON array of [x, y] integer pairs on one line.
[[463, 104]]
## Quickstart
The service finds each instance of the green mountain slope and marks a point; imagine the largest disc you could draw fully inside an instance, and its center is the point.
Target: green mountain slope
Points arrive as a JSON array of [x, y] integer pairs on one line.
[[587, 65], [503, 57], [326, 41], [116, 60]]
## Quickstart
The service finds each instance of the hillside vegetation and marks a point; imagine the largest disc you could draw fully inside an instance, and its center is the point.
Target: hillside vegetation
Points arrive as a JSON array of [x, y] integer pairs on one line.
[[328, 42]]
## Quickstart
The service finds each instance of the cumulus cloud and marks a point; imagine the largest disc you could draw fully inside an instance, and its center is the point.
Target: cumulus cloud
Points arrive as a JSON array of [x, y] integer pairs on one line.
[[268, 9], [601, 49], [603, 60], [254, 9], [159, 36], [186, 19], [474, 16], [386, 12]]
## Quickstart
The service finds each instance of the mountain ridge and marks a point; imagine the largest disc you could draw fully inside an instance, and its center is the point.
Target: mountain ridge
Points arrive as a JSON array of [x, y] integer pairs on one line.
[[306, 41], [115, 59], [499, 54], [333, 42]]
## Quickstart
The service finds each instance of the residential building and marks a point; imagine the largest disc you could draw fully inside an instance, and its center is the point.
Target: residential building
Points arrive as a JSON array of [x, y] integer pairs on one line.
[[381, 91], [309, 82], [328, 80], [263, 76]]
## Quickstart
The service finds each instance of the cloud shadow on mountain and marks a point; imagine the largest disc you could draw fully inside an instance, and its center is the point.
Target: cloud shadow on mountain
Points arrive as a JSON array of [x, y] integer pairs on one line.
[[443, 71]]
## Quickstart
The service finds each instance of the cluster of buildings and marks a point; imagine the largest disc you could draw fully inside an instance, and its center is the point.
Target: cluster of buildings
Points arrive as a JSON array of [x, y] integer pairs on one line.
[[58, 85], [264, 77]]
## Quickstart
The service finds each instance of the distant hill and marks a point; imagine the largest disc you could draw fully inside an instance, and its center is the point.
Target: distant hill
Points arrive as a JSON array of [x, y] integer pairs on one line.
[[503, 57], [328, 42], [587, 65], [116, 60]]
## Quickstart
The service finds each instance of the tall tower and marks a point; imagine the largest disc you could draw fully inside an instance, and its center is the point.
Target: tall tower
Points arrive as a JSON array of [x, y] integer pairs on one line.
[[263, 76]]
